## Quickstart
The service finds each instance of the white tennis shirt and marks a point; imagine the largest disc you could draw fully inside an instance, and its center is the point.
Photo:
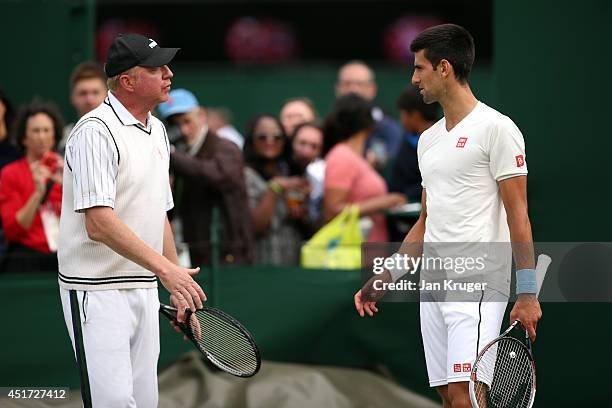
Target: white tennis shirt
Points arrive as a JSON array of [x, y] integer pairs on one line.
[[113, 160], [466, 218], [460, 170]]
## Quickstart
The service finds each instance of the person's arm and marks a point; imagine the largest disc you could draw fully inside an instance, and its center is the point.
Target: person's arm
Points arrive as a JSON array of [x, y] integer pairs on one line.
[[103, 225], [26, 214], [365, 299], [514, 195], [334, 201], [224, 170], [17, 218], [261, 215], [92, 146], [263, 212], [169, 251]]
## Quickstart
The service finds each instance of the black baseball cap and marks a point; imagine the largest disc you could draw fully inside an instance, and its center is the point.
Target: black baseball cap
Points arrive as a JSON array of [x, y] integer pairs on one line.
[[131, 50]]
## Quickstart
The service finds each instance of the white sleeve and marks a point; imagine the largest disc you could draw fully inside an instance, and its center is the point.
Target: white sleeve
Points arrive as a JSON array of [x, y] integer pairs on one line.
[[93, 158], [169, 199], [420, 149], [507, 151]]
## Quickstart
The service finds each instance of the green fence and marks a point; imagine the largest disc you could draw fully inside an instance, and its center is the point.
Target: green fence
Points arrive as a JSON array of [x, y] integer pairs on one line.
[[308, 316]]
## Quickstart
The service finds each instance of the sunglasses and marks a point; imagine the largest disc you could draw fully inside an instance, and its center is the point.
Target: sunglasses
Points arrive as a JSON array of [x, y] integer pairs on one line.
[[275, 138]]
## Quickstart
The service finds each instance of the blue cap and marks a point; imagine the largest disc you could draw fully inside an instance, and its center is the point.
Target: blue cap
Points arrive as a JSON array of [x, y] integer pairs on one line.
[[179, 101]]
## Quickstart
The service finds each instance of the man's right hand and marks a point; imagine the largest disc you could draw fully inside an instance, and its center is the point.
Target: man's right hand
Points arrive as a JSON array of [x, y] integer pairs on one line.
[[367, 296], [186, 292]]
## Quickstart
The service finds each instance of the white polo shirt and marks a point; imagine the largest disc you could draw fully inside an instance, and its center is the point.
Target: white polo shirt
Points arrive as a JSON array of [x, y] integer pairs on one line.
[[460, 170]]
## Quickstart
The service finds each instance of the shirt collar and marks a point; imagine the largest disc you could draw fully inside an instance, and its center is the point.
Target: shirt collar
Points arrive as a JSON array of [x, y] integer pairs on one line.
[[124, 115], [193, 149]]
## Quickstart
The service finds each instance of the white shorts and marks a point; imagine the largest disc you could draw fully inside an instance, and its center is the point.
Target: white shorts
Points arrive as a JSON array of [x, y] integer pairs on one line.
[[117, 345], [453, 335]]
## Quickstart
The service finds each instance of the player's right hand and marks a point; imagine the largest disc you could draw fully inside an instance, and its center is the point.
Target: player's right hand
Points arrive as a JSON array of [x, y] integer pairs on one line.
[[186, 292], [366, 298], [364, 307]]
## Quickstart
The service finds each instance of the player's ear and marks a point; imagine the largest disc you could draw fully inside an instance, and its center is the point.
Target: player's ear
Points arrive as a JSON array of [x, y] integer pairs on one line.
[[445, 68]]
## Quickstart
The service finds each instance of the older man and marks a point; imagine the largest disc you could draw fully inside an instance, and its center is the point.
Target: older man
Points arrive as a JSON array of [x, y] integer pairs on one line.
[[384, 141], [209, 173], [115, 238]]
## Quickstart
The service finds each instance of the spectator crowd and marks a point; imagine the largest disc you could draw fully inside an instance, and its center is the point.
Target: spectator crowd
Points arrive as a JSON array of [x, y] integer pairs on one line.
[[258, 195]]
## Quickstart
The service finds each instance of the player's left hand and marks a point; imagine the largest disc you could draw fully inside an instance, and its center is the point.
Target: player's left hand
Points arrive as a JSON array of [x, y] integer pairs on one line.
[[527, 310]]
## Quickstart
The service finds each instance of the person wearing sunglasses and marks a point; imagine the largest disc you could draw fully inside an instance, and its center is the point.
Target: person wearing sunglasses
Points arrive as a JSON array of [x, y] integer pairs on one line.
[[277, 199]]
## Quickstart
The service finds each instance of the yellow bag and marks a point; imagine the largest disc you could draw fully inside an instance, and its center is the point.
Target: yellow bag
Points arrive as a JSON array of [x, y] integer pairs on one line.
[[337, 245]]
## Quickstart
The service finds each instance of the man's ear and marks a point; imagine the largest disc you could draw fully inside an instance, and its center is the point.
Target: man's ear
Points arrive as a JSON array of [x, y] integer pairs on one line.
[[127, 82], [445, 68], [202, 114]]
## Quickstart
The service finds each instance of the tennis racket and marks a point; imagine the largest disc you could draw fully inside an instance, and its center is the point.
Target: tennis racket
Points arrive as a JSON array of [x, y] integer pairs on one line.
[[504, 375], [221, 338]]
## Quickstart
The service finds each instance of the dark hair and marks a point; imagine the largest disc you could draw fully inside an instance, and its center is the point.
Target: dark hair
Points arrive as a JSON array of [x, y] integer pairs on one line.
[[32, 109], [450, 42], [9, 114], [254, 160], [409, 100], [301, 126], [350, 115], [87, 70]]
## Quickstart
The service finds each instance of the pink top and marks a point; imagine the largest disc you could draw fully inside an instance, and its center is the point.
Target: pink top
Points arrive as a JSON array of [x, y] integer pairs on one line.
[[345, 170]]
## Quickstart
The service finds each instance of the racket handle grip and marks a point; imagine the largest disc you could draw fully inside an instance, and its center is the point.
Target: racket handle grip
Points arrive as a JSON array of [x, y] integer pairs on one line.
[[168, 311]]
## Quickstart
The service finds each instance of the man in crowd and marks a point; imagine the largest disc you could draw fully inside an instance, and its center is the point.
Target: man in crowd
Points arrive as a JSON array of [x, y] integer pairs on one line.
[[383, 143], [87, 91], [209, 173], [219, 121], [415, 117]]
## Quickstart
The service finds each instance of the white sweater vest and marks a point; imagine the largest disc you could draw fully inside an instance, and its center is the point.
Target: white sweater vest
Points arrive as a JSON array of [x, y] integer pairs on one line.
[[141, 201]]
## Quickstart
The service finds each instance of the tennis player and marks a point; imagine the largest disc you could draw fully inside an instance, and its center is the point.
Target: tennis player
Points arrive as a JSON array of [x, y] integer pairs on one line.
[[474, 190], [115, 238]]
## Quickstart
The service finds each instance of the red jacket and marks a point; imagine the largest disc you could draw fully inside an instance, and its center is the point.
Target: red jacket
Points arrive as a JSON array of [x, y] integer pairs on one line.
[[16, 187]]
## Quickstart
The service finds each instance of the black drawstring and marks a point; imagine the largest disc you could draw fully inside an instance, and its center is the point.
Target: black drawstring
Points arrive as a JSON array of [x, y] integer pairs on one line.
[[84, 306]]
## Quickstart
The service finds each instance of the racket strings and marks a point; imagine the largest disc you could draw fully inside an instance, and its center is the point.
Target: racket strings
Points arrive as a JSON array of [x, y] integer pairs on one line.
[[228, 356], [234, 347], [224, 343], [504, 376], [236, 340]]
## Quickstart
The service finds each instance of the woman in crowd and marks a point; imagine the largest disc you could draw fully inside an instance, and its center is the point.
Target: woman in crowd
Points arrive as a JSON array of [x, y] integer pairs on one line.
[[307, 145], [31, 192], [296, 111], [277, 200], [349, 179]]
